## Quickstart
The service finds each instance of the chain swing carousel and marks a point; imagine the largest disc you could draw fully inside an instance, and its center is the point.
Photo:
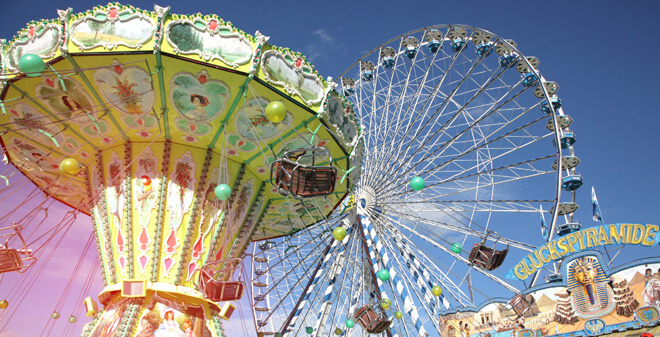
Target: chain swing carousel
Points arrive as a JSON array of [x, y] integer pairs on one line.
[[167, 130]]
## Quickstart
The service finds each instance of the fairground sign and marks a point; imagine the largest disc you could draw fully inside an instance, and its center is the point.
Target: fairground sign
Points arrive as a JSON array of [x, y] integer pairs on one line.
[[614, 234]]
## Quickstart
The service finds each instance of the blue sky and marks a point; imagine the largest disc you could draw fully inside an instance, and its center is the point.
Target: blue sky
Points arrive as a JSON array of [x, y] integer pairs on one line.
[[602, 55]]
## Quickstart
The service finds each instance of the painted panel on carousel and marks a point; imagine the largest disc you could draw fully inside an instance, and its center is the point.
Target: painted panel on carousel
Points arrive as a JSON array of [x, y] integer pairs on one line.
[[109, 320], [128, 89], [72, 105], [42, 39], [210, 39], [180, 196], [31, 156], [292, 73], [115, 198], [112, 27], [145, 194], [211, 210], [198, 100], [238, 209], [339, 112], [252, 124], [164, 318], [38, 127]]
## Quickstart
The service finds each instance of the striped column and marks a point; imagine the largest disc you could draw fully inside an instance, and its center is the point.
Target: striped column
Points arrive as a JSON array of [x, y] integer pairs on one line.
[[418, 269], [408, 305], [335, 270], [317, 277]]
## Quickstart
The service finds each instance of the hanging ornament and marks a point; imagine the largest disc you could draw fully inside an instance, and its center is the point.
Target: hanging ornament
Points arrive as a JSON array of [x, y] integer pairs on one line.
[[385, 303], [339, 233], [436, 291], [222, 191], [70, 166], [456, 247], [309, 330], [350, 323], [384, 275], [4, 304], [338, 331], [72, 319], [417, 183], [55, 315], [398, 315], [32, 65], [275, 111]]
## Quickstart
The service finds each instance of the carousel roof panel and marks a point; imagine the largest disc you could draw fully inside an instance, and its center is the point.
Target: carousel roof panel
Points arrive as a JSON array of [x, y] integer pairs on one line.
[[117, 74]]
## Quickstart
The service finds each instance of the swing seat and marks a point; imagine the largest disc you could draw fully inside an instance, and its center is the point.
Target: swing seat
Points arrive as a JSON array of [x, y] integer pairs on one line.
[[486, 257], [521, 304], [10, 260], [371, 321], [303, 181], [221, 291]]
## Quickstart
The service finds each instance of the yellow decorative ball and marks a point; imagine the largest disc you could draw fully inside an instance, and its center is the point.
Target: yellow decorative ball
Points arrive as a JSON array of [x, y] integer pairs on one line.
[[275, 111], [70, 166], [4, 304]]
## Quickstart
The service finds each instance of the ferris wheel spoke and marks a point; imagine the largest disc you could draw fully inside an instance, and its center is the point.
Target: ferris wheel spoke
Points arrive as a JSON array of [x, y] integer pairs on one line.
[[435, 225], [420, 260], [462, 259], [440, 150], [429, 97], [443, 107]]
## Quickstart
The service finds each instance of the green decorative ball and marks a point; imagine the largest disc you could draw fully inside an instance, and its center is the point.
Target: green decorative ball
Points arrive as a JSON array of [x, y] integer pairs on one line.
[[275, 111], [384, 275], [309, 330], [4, 304], [339, 233], [398, 315], [384, 305], [350, 323], [338, 331], [222, 191], [55, 315], [436, 291], [417, 183], [456, 247], [72, 319], [32, 65]]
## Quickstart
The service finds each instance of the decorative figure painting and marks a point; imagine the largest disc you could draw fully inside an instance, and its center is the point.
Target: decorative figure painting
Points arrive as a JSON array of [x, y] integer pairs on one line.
[[31, 156], [145, 185], [180, 195], [169, 319], [591, 295], [210, 214], [73, 105], [198, 100]]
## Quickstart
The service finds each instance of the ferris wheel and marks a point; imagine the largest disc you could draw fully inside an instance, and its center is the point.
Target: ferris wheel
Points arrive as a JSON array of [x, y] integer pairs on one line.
[[458, 162]]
